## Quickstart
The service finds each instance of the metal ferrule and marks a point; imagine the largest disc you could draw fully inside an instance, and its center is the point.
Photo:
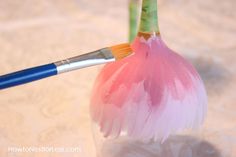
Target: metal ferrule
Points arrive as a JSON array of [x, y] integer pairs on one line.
[[94, 58]]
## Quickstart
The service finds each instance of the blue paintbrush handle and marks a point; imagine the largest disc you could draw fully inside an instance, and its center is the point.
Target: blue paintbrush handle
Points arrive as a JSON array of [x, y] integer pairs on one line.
[[97, 57], [27, 75]]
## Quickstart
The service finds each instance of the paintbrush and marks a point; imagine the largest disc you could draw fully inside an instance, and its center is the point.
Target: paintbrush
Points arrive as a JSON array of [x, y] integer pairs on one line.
[[101, 56]]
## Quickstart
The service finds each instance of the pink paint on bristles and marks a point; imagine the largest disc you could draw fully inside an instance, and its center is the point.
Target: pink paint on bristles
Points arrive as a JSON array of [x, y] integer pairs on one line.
[[149, 95]]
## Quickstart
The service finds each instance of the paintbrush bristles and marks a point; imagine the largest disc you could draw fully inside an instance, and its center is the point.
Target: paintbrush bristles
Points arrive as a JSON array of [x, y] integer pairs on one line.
[[121, 51]]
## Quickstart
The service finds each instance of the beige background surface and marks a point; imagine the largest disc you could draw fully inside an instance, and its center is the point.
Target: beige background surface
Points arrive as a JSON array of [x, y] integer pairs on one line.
[[55, 111]]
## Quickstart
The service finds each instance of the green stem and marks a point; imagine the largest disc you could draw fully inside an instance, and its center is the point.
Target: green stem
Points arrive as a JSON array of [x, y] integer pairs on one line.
[[149, 19], [133, 18]]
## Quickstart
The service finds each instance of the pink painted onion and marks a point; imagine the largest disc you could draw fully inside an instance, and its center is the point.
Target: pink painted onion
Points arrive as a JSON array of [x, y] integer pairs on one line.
[[149, 95]]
